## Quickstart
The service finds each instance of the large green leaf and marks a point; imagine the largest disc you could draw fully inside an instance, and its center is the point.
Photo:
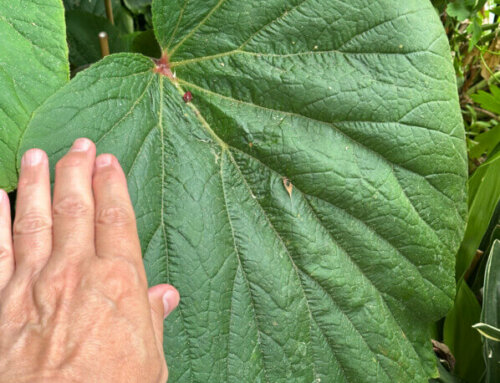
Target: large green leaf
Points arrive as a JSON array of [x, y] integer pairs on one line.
[[307, 202], [33, 65]]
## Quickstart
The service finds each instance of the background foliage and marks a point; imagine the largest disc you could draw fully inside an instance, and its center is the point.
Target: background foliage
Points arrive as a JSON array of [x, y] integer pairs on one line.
[[473, 31]]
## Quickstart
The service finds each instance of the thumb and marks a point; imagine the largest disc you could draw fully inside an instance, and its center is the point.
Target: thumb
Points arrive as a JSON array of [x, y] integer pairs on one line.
[[163, 299]]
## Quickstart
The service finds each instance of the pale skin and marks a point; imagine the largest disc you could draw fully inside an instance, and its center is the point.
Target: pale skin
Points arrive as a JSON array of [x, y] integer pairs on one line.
[[74, 300]]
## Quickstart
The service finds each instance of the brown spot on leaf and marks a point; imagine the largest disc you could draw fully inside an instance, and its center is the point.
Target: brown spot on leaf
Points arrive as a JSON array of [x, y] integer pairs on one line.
[[288, 186]]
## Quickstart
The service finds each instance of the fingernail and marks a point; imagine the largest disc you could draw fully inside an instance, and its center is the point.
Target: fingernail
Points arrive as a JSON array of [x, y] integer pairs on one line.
[[81, 145], [32, 157], [2, 195], [167, 309], [104, 160]]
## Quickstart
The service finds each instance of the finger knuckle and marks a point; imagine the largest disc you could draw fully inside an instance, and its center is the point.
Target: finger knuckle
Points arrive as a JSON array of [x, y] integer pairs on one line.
[[55, 280], [121, 275], [72, 206], [24, 183], [106, 175], [70, 160], [30, 223], [114, 215], [5, 253], [127, 269]]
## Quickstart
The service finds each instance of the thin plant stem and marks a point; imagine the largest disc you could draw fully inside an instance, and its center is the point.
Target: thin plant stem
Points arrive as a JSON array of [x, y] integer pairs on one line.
[[109, 11], [103, 40]]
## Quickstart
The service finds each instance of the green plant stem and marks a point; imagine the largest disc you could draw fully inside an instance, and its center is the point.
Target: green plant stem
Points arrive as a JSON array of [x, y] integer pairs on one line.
[[486, 27], [484, 83], [486, 112], [486, 38]]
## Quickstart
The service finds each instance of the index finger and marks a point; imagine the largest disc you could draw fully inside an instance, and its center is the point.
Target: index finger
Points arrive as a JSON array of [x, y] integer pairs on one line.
[[115, 225]]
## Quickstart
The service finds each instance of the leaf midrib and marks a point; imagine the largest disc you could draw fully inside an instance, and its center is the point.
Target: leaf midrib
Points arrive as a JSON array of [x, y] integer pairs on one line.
[[162, 221]]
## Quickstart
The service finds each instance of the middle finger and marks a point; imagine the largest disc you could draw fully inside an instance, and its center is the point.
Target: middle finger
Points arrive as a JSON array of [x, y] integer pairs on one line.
[[73, 206]]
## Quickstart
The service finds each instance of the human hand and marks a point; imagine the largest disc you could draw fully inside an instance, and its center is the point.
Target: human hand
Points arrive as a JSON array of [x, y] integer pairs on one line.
[[74, 301]]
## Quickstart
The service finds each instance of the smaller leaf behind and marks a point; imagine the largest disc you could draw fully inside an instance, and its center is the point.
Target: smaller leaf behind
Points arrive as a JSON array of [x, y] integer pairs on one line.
[[484, 195], [143, 42], [33, 65], [82, 32], [138, 6], [490, 315], [489, 101], [123, 20], [463, 340]]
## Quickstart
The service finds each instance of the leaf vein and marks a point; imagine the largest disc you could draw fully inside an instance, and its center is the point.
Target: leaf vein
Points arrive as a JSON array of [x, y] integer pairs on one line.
[[331, 124], [297, 268], [203, 21], [240, 265], [368, 227], [129, 112], [181, 14]]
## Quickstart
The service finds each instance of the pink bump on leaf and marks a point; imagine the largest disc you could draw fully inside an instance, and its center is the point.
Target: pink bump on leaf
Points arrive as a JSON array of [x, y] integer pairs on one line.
[[188, 96], [162, 66]]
